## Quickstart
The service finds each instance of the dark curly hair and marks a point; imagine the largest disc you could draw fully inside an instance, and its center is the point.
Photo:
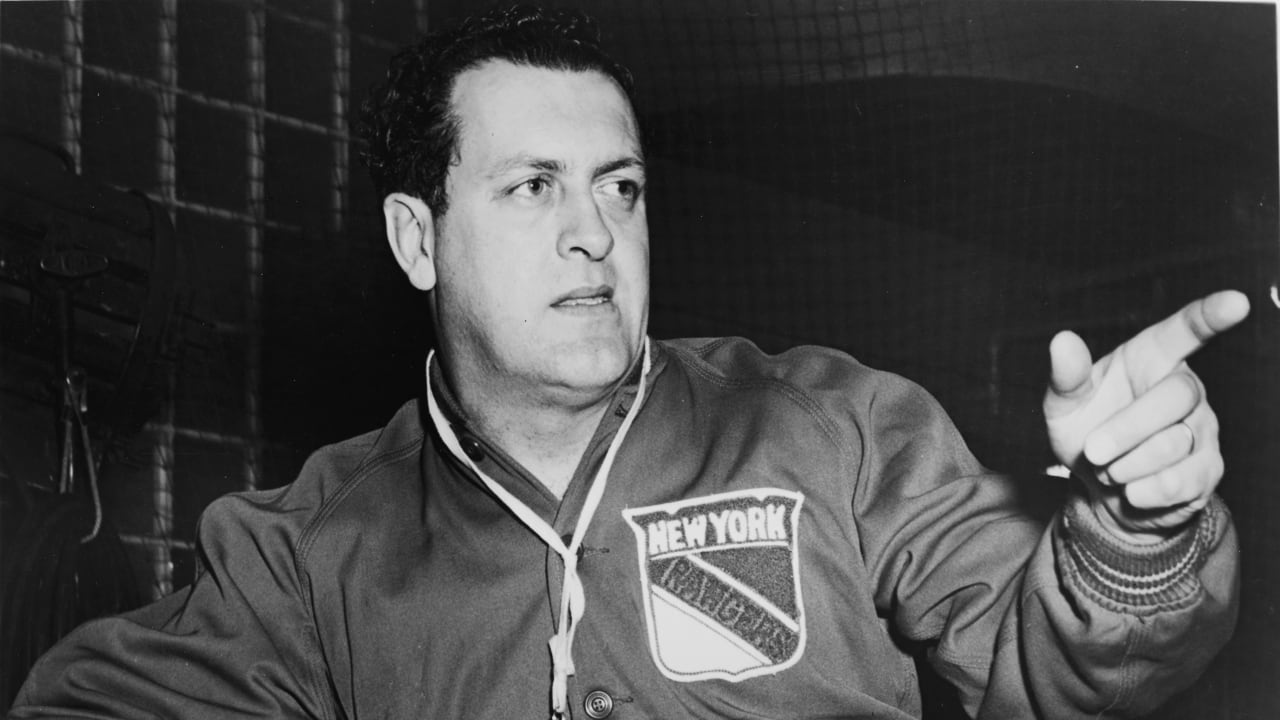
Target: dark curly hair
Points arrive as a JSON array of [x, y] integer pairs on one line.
[[408, 123]]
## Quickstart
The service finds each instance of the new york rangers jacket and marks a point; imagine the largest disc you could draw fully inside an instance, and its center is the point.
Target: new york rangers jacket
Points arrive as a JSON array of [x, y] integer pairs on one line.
[[778, 534]]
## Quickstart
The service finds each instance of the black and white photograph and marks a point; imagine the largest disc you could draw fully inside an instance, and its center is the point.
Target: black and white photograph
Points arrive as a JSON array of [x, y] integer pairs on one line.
[[714, 359]]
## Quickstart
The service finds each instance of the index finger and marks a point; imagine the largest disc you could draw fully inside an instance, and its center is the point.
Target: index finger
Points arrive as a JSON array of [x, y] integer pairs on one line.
[[1176, 337]]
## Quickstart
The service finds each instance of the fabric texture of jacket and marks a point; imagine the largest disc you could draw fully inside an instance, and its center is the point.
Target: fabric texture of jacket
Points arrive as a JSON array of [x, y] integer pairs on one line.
[[777, 535]]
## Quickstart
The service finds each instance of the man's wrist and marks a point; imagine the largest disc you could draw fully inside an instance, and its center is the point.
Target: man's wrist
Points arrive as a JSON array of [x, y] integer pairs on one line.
[[1128, 536], [1135, 574]]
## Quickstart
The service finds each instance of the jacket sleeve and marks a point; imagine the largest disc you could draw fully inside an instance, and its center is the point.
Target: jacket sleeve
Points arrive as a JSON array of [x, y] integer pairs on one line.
[[1030, 612], [239, 642]]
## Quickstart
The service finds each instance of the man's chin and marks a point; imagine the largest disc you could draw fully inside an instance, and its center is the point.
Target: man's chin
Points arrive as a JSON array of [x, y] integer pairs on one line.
[[593, 367]]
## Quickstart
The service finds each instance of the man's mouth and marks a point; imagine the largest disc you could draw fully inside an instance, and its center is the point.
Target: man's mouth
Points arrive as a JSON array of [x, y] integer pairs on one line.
[[597, 300], [585, 297]]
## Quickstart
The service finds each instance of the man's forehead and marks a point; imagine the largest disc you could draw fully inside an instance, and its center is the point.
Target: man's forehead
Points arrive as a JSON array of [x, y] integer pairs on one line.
[[502, 75], [518, 115]]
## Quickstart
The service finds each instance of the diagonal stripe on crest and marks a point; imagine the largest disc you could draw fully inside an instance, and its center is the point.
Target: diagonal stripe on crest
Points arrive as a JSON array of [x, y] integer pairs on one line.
[[732, 604]]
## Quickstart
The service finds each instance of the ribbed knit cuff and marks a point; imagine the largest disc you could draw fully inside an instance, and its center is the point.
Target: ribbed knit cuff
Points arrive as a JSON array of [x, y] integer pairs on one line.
[[1131, 576]]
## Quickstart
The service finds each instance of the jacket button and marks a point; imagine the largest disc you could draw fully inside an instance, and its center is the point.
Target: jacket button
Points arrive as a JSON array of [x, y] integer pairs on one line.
[[598, 704], [472, 448]]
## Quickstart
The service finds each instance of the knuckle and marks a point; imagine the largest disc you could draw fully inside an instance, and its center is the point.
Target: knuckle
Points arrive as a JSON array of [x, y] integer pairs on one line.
[[1173, 442], [1210, 424], [1144, 494], [1168, 488], [1163, 489], [1217, 466], [1139, 496], [1189, 386]]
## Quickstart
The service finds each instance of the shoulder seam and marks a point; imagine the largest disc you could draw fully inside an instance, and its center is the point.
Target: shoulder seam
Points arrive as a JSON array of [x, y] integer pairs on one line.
[[307, 539], [357, 476], [791, 392]]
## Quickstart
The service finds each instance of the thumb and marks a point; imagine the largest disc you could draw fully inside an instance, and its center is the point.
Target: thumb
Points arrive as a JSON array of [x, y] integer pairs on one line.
[[1070, 370]]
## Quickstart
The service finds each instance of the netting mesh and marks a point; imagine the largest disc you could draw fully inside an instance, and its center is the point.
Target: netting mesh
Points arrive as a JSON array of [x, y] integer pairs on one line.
[[935, 188]]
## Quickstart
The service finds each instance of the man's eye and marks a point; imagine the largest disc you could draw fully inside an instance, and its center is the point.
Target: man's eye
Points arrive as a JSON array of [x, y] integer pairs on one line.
[[627, 189], [533, 187]]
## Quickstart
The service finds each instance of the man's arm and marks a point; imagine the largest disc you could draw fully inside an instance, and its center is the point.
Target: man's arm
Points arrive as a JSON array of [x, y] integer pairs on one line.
[[1070, 619], [237, 643]]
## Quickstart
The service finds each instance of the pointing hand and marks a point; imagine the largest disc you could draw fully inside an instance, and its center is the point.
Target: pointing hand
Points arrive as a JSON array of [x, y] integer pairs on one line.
[[1135, 424]]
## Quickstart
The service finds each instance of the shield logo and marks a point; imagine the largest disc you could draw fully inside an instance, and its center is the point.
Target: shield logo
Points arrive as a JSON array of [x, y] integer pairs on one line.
[[721, 578]]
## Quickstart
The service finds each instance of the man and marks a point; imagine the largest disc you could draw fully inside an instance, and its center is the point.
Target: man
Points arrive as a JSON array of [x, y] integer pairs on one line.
[[701, 530]]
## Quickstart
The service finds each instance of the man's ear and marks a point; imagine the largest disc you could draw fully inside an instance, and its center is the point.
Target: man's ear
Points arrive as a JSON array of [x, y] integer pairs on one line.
[[411, 232]]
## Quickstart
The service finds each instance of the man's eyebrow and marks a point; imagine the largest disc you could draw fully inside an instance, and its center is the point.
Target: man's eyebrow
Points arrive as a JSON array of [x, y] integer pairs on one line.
[[520, 162], [530, 162], [619, 164]]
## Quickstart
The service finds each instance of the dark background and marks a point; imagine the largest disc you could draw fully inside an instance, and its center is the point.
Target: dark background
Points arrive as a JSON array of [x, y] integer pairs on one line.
[[934, 187]]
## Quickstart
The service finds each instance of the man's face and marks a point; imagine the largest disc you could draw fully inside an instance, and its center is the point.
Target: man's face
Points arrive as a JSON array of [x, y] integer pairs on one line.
[[543, 254]]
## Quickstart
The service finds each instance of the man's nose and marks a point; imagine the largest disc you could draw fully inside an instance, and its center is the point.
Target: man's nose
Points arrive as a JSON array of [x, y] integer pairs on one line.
[[585, 231]]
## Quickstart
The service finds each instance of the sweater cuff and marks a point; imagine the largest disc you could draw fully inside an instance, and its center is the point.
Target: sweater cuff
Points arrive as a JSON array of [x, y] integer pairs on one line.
[[1130, 576]]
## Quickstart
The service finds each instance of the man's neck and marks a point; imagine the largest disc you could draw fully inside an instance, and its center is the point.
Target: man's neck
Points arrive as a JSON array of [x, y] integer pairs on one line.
[[547, 436], [548, 442]]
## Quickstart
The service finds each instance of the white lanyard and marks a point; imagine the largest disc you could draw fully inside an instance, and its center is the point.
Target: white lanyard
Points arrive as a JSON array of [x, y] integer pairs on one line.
[[573, 600]]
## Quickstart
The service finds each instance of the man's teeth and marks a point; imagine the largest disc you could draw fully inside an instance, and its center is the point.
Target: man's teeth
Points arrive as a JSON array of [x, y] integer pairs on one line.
[[596, 300]]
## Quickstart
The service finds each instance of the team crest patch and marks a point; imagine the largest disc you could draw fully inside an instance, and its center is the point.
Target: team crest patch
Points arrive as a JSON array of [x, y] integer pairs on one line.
[[721, 581]]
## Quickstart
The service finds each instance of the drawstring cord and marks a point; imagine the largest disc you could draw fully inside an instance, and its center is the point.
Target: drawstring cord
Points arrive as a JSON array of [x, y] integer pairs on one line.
[[573, 599]]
